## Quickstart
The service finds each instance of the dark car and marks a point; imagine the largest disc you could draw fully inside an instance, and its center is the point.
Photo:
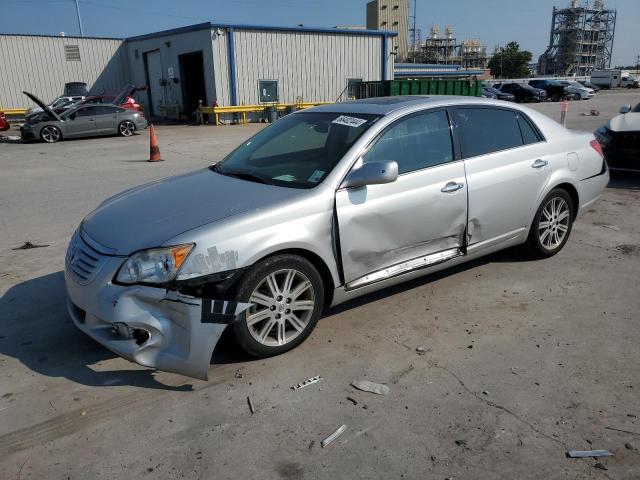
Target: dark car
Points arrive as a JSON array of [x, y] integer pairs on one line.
[[4, 124], [555, 91], [590, 85], [498, 94], [522, 92], [620, 140]]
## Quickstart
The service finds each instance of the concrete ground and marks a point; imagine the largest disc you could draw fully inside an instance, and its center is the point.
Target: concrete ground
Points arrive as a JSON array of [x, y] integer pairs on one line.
[[523, 360]]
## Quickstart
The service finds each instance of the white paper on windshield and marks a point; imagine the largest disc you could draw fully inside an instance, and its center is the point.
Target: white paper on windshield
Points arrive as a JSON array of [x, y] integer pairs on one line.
[[285, 178], [349, 121]]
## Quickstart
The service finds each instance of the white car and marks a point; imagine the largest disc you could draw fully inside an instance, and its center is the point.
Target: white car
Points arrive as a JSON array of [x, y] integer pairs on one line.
[[579, 91], [58, 105]]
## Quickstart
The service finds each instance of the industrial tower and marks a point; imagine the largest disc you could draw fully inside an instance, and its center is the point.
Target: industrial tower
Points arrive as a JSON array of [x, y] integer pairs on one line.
[[581, 39]]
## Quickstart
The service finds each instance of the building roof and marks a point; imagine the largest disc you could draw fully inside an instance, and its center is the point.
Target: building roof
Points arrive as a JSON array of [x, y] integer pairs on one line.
[[210, 26]]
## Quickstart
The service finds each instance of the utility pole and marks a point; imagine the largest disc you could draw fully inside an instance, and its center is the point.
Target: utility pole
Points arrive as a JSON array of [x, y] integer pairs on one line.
[[414, 46], [79, 19]]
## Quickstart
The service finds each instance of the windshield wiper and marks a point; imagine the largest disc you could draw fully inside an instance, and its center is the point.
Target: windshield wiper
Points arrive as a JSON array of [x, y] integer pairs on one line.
[[244, 176]]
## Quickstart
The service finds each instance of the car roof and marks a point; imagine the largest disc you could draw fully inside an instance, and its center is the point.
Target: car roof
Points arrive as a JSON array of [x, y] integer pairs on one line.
[[387, 105]]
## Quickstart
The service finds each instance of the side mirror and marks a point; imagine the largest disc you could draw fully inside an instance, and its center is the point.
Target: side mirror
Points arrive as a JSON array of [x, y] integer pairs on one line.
[[372, 173], [625, 109]]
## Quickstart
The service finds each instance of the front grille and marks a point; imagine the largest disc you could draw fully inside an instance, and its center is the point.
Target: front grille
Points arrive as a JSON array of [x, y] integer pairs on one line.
[[82, 260]]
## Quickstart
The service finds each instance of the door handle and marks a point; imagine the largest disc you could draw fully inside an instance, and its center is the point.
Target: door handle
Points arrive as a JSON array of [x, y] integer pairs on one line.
[[452, 187], [539, 164]]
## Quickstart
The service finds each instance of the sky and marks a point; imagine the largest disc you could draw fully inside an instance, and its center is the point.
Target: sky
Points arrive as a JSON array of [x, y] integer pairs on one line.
[[492, 21]]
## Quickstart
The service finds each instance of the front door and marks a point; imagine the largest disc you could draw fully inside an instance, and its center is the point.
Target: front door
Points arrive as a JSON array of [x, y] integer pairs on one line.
[[82, 123], [416, 220], [506, 162]]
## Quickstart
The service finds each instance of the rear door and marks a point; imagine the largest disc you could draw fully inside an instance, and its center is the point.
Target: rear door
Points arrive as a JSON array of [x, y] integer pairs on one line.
[[107, 119], [506, 163], [388, 229]]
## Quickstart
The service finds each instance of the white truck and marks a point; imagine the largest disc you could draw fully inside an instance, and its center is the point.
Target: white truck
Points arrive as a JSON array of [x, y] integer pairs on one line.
[[613, 79]]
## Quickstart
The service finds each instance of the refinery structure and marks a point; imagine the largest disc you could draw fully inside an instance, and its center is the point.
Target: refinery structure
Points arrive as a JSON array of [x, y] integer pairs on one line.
[[444, 49], [581, 39]]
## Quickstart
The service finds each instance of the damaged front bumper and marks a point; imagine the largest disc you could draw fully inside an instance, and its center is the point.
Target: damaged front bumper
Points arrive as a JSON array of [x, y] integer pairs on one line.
[[154, 327]]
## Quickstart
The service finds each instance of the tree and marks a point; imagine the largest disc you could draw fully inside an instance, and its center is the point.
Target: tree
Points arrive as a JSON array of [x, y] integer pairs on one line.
[[510, 62]]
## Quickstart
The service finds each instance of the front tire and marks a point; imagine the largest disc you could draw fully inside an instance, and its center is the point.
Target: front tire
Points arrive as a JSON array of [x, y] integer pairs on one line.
[[551, 225], [287, 296], [50, 134], [126, 128]]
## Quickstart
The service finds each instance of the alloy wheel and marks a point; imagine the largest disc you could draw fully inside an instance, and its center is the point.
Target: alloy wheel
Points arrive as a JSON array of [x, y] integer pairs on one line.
[[283, 304], [127, 128], [50, 134], [554, 223]]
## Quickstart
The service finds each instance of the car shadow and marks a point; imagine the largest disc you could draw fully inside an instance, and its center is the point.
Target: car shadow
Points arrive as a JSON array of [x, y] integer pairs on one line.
[[628, 181], [37, 331]]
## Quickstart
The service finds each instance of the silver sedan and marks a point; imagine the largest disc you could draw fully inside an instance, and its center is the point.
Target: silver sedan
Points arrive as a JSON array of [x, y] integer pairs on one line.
[[323, 206], [81, 121]]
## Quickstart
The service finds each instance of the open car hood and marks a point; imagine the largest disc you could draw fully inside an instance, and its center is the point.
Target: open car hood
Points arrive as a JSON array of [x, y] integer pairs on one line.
[[42, 105]]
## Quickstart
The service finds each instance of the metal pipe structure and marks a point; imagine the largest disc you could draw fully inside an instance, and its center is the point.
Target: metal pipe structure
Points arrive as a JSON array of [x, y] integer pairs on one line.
[[79, 18]]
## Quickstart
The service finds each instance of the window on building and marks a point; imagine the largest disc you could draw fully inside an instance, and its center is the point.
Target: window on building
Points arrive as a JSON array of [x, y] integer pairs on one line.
[[268, 91], [396, 7], [72, 53], [486, 130], [383, 7], [395, 23], [352, 86], [417, 142], [383, 23]]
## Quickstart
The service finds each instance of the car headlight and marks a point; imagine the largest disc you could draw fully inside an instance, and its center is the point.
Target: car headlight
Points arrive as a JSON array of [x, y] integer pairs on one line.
[[156, 265]]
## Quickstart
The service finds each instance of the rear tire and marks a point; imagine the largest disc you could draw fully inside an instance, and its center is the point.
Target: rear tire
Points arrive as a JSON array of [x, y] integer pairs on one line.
[[287, 294], [551, 225], [127, 128]]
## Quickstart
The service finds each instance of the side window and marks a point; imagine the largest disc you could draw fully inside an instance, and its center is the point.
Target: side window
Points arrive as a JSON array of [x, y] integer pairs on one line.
[[486, 130], [529, 135], [106, 110], [417, 142], [268, 91], [87, 111]]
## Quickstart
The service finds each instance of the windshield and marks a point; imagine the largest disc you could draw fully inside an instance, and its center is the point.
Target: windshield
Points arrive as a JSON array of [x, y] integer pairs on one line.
[[297, 151]]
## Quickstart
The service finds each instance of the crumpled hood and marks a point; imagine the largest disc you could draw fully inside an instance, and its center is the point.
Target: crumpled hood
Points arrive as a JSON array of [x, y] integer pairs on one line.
[[149, 215], [627, 122]]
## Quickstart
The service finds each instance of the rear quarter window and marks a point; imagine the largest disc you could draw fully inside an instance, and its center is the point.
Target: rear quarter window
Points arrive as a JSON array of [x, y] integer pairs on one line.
[[486, 130]]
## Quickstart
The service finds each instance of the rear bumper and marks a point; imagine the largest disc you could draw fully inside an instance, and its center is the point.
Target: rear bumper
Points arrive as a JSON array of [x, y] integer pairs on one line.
[[621, 149]]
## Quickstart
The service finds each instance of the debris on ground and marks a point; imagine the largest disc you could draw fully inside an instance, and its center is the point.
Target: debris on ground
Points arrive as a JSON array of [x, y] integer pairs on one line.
[[461, 443], [615, 228], [600, 466], [371, 387], [628, 446], [307, 382], [588, 453], [485, 392], [28, 246], [238, 374], [251, 409], [313, 442], [421, 350], [592, 113], [333, 436], [352, 400]]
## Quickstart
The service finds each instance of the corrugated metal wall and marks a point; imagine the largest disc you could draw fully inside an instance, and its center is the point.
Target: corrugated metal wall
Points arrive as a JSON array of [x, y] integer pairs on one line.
[[221, 65], [170, 48], [307, 65], [37, 64]]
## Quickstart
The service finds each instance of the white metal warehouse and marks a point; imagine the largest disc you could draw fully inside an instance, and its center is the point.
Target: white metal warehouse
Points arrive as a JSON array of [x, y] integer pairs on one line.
[[216, 63]]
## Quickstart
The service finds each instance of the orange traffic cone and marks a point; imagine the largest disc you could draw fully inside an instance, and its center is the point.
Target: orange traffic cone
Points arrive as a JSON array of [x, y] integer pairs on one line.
[[154, 148]]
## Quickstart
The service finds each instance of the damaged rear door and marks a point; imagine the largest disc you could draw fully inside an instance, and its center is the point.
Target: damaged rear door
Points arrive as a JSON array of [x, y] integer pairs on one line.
[[416, 221]]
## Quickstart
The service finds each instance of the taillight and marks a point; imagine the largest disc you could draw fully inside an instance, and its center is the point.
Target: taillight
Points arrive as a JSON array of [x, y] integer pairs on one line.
[[595, 144]]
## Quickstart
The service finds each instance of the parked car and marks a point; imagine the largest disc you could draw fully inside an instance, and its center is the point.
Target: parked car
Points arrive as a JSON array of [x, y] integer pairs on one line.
[[579, 92], [629, 82], [555, 91], [128, 102], [58, 104], [522, 92], [590, 85], [4, 124], [498, 94], [81, 121], [486, 93], [620, 140], [324, 205]]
